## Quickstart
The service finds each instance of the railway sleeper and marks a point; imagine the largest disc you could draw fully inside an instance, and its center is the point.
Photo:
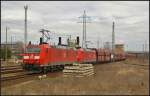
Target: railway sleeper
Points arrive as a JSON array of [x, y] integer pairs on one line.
[[53, 68]]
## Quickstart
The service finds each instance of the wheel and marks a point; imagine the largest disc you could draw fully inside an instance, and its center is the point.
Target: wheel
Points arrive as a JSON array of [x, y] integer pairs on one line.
[[44, 69]]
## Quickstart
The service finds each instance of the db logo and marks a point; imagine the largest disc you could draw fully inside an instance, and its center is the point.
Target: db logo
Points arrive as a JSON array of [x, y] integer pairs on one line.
[[31, 57]]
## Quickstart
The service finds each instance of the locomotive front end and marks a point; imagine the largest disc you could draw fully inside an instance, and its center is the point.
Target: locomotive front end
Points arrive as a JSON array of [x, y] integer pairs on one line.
[[31, 58]]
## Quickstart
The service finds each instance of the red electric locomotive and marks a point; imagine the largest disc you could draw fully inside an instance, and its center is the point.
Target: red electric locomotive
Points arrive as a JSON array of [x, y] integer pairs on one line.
[[44, 57]]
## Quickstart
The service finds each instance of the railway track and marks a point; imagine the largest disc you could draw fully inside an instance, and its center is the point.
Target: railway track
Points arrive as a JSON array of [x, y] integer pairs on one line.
[[13, 72], [11, 69], [23, 75], [3, 67], [16, 72]]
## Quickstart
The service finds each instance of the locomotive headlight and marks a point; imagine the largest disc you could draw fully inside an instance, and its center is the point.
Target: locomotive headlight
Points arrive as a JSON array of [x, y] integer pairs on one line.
[[25, 57], [36, 57]]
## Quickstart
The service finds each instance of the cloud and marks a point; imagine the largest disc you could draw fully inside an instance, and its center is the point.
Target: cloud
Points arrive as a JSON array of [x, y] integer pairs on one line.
[[131, 20]]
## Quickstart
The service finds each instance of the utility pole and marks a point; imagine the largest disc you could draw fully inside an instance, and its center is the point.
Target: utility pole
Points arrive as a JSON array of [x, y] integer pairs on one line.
[[83, 41], [127, 48], [11, 43], [113, 42], [98, 43], [143, 52], [6, 46], [85, 28], [84, 21], [25, 25]]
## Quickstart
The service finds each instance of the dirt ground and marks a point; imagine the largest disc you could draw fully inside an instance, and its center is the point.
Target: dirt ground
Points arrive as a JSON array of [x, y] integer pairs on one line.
[[129, 77]]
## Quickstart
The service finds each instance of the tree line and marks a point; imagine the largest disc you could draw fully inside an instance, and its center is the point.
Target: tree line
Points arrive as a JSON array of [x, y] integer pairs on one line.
[[3, 53]]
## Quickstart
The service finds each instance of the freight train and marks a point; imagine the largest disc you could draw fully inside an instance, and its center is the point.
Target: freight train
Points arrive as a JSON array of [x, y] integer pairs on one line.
[[45, 57]]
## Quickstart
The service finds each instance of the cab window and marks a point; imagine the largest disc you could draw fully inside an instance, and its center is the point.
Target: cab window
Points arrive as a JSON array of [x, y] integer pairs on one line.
[[33, 50]]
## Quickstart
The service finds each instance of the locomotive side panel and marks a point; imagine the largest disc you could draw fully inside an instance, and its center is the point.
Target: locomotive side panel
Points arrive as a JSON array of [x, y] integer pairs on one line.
[[89, 56], [54, 56], [72, 56], [85, 57], [80, 56], [62, 56]]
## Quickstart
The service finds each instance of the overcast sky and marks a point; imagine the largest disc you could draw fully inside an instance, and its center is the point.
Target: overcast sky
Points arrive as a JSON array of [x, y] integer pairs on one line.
[[61, 17]]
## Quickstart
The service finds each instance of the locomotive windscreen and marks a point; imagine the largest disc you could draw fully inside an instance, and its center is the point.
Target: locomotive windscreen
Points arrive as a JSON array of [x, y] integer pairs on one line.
[[33, 50]]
